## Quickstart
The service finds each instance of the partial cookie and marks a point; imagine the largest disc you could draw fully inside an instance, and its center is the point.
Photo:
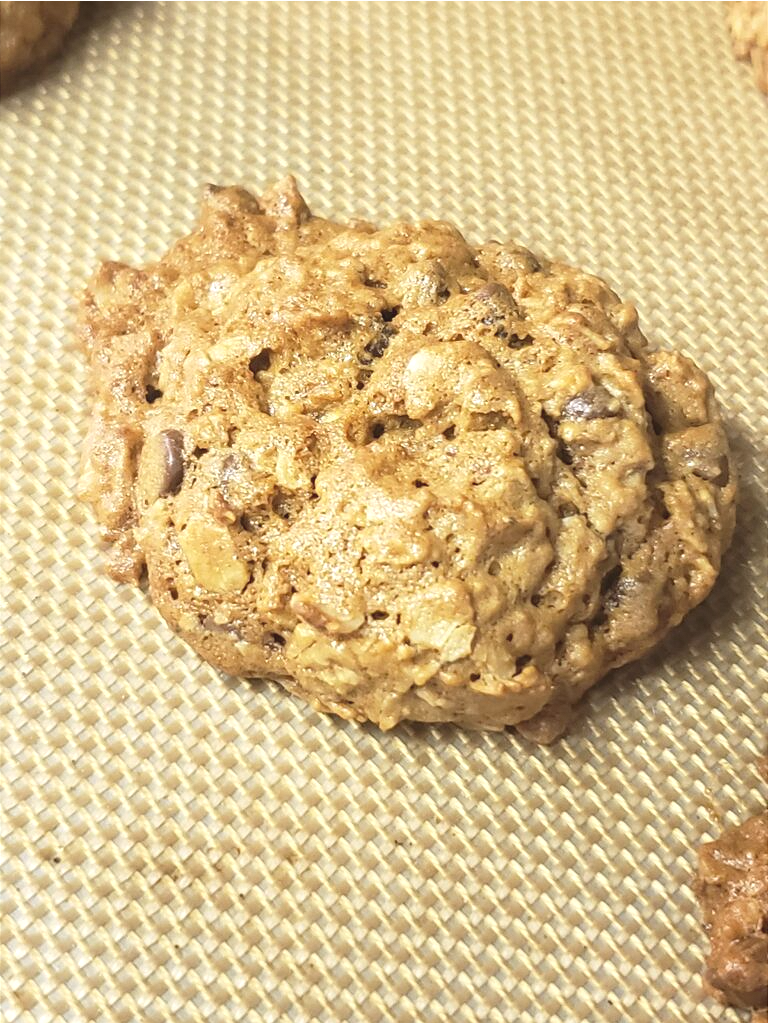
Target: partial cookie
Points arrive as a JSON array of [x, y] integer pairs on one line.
[[748, 22], [732, 885], [406, 476], [30, 33]]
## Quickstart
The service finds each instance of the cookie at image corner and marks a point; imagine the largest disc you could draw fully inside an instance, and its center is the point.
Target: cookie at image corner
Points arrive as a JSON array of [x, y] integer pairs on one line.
[[748, 24], [30, 34], [732, 887], [405, 476]]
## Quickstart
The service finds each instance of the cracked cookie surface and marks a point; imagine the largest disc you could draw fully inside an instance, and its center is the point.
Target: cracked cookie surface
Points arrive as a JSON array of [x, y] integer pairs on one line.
[[405, 476]]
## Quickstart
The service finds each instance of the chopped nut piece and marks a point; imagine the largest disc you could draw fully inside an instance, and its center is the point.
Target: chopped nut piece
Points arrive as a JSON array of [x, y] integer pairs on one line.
[[211, 556]]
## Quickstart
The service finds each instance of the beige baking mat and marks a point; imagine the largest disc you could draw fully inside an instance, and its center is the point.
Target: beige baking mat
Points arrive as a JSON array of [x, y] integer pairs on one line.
[[183, 846]]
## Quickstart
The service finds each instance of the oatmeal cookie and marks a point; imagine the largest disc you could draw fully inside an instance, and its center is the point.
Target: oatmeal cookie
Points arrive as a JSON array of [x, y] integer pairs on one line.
[[732, 885], [30, 33], [748, 22], [403, 475]]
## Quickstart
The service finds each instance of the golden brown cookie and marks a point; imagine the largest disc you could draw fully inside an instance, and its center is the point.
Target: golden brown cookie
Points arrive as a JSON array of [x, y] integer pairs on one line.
[[30, 33], [405, 476], [748, 22]]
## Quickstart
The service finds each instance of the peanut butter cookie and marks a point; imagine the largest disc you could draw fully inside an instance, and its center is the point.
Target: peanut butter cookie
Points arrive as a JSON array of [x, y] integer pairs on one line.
[[403, 475]]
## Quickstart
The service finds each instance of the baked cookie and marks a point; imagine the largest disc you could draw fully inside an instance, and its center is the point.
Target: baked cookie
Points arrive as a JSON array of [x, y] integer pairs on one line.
[[30, 33], [748, 22], [403, 475], [732, 885]]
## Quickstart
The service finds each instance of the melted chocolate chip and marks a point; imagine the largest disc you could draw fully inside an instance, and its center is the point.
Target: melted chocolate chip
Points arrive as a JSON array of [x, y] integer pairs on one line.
[[491, 289], [592, 404], [498, 304], [260, 362], [718, 472], [378, 345], [610, 579], [723, 477], [620, 591], [564, 453], [172, 443], [516, 341]]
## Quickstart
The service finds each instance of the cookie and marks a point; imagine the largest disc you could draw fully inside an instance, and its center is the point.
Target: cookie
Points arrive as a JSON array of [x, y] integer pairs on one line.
[[732, 886], [30, 33], [406, 476], [748, 22]]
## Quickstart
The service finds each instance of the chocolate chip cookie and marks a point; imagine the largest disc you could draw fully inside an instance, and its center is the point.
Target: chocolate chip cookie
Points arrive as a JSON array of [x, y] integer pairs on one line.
[[732, 885], [406, 476], [30, 33], [748, 22]]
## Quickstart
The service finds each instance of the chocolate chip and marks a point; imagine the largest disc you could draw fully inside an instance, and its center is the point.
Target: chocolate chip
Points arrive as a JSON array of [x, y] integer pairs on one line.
[[610, 579], [566, 510], [623, 588], [592, 404], [497, 302], [722, 478], [562, 450], [564, 453], [283, 503], [489, 289], [172, 448], [260, 362], [387, 315], [378, 345], [719, 472], [274, 641], [519, 340], [152, 394]]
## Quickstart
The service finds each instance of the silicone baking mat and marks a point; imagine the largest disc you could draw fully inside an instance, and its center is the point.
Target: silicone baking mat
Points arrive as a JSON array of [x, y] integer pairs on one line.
[[178, 845]]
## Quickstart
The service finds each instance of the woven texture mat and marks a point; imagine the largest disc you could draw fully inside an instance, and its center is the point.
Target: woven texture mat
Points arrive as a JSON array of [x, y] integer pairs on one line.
[[182, 846]]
